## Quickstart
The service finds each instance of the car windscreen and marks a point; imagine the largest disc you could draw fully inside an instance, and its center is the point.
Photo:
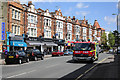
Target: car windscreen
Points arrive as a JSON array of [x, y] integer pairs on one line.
[[37, 51], [11, 53], [20, 52], [82, 46]]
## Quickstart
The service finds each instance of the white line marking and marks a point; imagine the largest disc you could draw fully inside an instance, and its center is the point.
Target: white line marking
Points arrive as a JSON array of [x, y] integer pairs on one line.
[[21, 74]]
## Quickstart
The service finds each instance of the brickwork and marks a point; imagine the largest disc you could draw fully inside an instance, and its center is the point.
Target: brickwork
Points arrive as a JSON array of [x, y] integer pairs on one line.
[[23, 22], [11, 21]]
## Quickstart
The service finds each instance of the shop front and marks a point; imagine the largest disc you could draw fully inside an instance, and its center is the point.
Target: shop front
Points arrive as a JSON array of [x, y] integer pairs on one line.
[[60, 43], [15, 43], [45, 45], [48, 46], [34, 43]]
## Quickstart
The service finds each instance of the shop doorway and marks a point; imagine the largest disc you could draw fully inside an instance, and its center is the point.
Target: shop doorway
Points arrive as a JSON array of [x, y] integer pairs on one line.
[[49, 50]]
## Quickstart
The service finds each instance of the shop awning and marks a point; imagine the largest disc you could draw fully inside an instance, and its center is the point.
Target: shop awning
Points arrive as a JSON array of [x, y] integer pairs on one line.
[[18, 43], [50, 44], [35, 43]]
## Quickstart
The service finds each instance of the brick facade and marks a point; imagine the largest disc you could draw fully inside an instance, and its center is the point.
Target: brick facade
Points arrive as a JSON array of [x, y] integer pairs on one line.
[[24, 23], [11, 21]]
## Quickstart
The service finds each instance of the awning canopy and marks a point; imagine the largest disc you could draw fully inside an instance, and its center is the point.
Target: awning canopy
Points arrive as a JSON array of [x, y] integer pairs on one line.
[[50, 44], [18, 43], [36, 43]]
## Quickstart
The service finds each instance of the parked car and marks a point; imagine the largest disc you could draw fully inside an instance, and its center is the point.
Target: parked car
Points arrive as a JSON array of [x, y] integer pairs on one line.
[[16, 57], [34, 54], [118, 52], [111, 50], [57, 53], [68, 51]]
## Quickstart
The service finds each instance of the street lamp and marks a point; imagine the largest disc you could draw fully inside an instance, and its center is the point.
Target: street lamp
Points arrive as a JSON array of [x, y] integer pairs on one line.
[[117, 20], [117, 31]]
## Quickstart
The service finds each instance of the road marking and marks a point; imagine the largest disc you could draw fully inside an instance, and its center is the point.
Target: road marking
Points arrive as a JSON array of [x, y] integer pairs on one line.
[[21, 74], [91, 68]]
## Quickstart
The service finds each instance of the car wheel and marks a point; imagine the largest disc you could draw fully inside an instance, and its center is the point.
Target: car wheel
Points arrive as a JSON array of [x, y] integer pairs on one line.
[[52, 55], [20, 61], [42, 58], [27, 60], [58, 54], [35, 58], [92, 59], [7, 62]]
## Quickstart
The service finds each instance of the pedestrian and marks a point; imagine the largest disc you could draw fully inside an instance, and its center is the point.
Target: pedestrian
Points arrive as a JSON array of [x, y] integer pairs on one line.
[[44, 51], [6, 51]]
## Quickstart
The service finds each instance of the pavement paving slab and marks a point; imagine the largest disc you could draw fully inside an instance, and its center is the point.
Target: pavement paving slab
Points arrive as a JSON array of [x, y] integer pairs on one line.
[[109, 69]]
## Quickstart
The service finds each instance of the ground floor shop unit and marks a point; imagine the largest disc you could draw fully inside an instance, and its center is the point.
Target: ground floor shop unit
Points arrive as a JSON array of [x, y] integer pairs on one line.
[[46, 45], [16, 42]]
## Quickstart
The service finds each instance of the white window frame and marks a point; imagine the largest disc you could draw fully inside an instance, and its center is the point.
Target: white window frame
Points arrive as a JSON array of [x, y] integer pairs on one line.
[[16, 14], [18, 30], [13, 13]]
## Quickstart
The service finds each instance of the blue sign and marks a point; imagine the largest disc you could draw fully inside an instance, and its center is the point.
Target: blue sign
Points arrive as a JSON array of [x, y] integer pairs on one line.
[[3, 30]]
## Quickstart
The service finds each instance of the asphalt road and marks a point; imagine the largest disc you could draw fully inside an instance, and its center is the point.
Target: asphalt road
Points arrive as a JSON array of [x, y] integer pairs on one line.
[[51, 68]]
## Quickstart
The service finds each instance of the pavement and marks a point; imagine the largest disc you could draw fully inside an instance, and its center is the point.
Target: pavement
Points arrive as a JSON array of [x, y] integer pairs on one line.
[[2, 61], [107, 70]]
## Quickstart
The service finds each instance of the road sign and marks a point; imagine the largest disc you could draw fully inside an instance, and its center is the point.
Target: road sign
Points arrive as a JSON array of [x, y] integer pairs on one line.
[[3, 30]]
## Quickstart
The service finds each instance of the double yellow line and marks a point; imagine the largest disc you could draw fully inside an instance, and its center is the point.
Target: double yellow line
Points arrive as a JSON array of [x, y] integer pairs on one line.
[[91, 68]]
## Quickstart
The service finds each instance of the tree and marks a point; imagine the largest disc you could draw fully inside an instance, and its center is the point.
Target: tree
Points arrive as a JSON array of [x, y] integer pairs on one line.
[[117, 39], [111, 39], [104, 40]]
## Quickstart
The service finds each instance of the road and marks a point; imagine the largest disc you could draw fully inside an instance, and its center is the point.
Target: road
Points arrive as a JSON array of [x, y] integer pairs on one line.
[[53, 67]]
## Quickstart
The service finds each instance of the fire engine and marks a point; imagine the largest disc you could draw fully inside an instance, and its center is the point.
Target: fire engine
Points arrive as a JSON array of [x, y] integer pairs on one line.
[[88, 51]]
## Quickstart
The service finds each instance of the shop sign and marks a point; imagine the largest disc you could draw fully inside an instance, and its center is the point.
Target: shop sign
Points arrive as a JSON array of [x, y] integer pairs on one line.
[[3, 30], [32, 39], [20, 44]]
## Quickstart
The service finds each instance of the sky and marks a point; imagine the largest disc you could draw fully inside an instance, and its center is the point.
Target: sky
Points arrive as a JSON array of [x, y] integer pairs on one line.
[[100, 11]]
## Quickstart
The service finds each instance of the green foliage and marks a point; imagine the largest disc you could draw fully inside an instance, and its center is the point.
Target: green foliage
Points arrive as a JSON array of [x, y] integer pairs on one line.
[[111, 39], [104, 39]]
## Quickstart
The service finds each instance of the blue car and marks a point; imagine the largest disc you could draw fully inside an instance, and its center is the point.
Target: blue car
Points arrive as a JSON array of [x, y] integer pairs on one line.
[[68, 51]]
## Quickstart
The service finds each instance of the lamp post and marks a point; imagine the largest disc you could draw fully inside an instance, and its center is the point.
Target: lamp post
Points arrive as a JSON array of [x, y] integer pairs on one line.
[[117, 31]]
